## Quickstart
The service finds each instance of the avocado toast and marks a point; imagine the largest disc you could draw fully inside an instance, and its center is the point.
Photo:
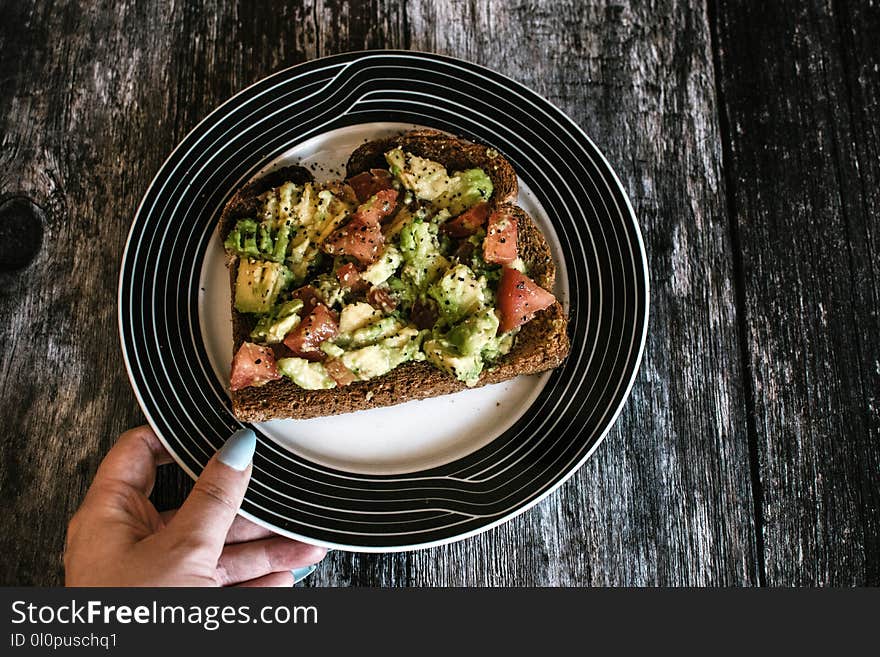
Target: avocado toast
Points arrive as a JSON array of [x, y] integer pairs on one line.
[[415, 277]]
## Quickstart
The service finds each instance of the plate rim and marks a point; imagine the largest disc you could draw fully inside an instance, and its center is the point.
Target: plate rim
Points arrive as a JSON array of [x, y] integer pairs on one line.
[[350, 57]]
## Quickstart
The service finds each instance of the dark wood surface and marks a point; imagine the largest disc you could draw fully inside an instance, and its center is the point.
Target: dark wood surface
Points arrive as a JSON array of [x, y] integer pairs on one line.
[[748, 140], [800, 90]]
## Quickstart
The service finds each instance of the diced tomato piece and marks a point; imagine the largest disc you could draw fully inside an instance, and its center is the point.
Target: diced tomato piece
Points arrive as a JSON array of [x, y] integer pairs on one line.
[[349, 276], [319, 326], [468, 222], [499, 247], [380, 298], [362, 236], [339, 372], [368, 183], [253, 365], [519, 298], [377, 207], [359, 238], [424, 314], [309, 296]]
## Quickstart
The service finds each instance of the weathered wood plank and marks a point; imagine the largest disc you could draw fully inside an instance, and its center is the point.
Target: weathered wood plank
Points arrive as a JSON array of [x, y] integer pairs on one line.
[[79, 118], [94, 99], [87, 121], [801, 94], [667, 498]]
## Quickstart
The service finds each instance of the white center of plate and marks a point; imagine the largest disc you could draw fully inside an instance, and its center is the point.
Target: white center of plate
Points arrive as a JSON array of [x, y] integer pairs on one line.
[[396, 439]]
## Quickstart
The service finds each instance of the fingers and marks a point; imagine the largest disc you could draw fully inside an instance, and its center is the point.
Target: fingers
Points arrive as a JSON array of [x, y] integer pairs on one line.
[[277, 580], [244, 530], [241, 530], [242, 562], [133, 460], [206, 516]]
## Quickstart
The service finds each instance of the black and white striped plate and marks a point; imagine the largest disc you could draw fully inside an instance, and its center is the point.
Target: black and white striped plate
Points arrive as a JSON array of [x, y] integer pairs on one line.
[[425, 472]]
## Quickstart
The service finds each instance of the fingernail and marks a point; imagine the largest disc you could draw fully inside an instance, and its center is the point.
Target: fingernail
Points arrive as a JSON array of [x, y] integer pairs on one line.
[[238, 450], [299, 574]]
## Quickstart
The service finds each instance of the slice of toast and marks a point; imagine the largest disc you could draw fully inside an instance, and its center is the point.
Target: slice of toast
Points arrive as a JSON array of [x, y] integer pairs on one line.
[[541, 344]]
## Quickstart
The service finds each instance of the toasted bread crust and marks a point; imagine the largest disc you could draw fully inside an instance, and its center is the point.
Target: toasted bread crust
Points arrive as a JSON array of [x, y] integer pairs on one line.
[[542, 343]]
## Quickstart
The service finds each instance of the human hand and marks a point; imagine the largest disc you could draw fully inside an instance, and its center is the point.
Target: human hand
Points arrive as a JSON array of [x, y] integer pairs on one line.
[[118, 538]]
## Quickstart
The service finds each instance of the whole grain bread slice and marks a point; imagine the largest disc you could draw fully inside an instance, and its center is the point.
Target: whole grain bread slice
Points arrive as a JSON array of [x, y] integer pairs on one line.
[[541, 344]]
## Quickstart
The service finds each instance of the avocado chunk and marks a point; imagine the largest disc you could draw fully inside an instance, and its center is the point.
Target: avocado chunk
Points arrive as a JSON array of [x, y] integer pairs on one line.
[[498, 346], [242, 240], [273, 328], [427, 179], [404, 216], [441, 216], [466, 188], [258, 285], [306, 209], [356, 315], [480, 267], [405, 345], [303, 214], [368, 362], [372, 333], [396, 161], [268, 239], [325, 200], [420, 249], [303, 254], [418, 240], [381, 270], [279, 218], [473, 334], [402, 345], [330, 289], [459, 293], [331, 349], [279, 203], [311, 376], [443, 355]]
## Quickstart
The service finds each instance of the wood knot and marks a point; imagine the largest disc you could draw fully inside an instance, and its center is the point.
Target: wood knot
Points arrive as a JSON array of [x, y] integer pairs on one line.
[[21, 232]]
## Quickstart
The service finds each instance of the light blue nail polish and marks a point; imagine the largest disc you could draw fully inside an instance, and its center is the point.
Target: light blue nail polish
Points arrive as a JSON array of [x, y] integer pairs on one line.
[[299, 574], [238, 450]]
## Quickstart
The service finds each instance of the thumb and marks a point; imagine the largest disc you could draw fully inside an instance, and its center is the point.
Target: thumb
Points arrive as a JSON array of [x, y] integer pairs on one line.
[[205, 517]]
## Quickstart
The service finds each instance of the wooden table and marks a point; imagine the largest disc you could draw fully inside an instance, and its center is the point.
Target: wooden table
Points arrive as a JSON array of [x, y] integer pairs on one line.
[[749, 142]]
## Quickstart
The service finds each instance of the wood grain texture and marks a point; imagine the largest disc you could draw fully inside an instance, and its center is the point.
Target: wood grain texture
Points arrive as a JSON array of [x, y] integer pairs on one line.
[[748, 451], [94, 98], [666, 499], [800, 83], [638, 80], [79, 138]]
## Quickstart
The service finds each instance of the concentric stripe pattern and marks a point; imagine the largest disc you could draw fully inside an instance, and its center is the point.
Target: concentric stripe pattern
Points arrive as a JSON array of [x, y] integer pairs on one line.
[[605, 260]]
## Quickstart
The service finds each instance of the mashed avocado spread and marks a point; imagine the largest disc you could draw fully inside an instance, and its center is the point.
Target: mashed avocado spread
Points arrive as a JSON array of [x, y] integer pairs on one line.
[[346, 281]]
